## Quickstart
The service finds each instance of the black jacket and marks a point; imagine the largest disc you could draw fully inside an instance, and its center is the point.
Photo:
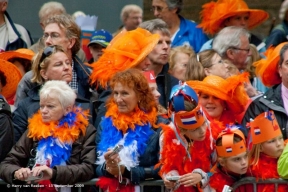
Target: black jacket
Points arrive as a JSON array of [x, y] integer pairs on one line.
[[271, 100], [30, 105]]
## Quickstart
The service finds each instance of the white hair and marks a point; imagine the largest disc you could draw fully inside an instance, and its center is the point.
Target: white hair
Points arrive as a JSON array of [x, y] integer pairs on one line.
[[65, 94]]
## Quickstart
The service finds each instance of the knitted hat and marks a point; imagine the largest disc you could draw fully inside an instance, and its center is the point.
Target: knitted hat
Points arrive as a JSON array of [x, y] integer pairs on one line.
[[264, 127], [13, 77], [125, 51], [267, 69], [228, 147], [19, 53], [230, 90], [214, 14], [150, 76]]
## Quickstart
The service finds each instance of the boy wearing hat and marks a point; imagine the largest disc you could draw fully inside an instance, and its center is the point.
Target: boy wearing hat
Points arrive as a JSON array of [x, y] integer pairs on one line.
[[98, 41]]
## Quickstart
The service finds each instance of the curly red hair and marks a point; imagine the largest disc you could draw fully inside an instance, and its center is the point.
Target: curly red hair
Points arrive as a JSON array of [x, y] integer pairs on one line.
[[135, 79]]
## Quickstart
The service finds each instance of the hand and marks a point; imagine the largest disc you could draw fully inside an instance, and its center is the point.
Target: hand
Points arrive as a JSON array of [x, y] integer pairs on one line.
[[250, 90], [112, 163], [190, 179], [46, 171], [168, 184], [22, 174]]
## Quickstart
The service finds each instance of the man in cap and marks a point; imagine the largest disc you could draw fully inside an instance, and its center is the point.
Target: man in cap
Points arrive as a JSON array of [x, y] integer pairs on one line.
[[98, 41]]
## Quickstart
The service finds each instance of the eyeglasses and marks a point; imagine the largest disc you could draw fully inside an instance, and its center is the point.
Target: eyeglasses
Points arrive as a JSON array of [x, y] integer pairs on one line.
[[52, 36], [236, 48], [47, 52], [157, 8]]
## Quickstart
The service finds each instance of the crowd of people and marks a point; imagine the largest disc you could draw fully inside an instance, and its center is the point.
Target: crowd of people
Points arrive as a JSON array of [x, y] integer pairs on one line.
[[155, 100]]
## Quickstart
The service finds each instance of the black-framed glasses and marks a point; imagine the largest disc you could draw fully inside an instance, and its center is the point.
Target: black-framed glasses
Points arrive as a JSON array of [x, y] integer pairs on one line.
[[157, 8], [47, 52], [236, 48]]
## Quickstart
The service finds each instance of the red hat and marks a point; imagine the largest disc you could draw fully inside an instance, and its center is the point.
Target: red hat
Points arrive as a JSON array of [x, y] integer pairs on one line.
[[150, 76]]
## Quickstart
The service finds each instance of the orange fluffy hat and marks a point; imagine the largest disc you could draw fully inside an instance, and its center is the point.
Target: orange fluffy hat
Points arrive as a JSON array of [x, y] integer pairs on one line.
[[264, 127], [19, 53], [214, 14], [230, 90], [228, 147], [13, 77], [125, 51], [267, 69]]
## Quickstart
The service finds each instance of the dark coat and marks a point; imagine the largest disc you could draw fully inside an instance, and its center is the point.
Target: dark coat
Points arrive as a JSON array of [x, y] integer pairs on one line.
[[271, 100], [79, 168], [30, 106]]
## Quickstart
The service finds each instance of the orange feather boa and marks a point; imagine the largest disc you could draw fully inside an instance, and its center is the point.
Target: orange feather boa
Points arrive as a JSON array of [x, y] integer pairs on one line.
[[124, 121], [39, 130]]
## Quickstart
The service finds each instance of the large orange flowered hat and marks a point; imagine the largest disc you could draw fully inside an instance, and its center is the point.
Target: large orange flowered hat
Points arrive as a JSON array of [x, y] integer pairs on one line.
[[125, 51], [214, 14], [230, 90], [13, 77], [267, 69], [19, 53]]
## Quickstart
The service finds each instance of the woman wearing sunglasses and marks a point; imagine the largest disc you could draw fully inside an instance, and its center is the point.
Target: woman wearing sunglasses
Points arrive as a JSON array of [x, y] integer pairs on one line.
[[52, 63]]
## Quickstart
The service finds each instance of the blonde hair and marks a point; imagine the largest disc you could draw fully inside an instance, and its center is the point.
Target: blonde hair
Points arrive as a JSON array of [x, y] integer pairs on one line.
[[37, 66], [127, 9], [255, 153], [255, 56], [186, 49], [49, 9]]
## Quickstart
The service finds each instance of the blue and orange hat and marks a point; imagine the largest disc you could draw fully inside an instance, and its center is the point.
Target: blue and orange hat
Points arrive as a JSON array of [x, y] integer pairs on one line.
[[101, 37]]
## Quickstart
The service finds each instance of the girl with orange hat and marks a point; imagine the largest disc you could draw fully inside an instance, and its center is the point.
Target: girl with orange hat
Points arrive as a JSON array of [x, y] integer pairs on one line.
[[222, 99], [187, 144], [232, 159], [268, 145]]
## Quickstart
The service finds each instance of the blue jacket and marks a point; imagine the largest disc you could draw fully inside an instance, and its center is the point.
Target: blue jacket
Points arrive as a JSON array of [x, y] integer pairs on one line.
[[18, 36], [189, 34], [30, 105]]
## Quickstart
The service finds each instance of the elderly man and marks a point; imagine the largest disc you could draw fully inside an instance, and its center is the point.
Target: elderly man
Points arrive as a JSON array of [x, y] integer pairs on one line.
[[183, 31], [62, 30], [274, 73]]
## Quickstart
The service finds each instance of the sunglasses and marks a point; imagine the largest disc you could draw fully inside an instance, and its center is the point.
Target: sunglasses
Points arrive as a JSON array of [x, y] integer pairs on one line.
[[47, 52]]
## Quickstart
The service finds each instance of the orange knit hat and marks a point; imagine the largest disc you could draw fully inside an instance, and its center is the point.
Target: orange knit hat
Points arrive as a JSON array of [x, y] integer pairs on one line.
[[267, 69], [214, 14], [19, 53], [13, 77], [125, 51], [230, 90], [264, 127], [228, 147]]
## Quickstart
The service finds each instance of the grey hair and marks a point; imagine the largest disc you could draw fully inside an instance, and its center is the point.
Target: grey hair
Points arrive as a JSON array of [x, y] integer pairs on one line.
[[61, 90], [51, 8], [229, 37], [154, 25], [283, 10], [127, 9], [282, 51], [175, 4]]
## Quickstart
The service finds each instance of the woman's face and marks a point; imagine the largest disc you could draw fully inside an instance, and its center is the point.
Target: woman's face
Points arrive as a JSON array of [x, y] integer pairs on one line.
[[181, 61], [144, 64], [51, 109], [59, 68], [273, 147], [125, 98], [240, 20], [212, 105], [155, 92], [218, 68], [198, 134], [237, 164]]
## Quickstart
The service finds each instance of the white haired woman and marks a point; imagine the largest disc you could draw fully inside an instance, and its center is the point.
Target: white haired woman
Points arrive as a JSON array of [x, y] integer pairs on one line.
[[58, 147]]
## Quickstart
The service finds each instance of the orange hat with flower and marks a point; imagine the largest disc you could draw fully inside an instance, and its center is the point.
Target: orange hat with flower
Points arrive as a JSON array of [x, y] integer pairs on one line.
[[267, 69], [125, 51], [19, 53], [229, 148], [214, 14], [264, 127], [13, 77], [230, 90]]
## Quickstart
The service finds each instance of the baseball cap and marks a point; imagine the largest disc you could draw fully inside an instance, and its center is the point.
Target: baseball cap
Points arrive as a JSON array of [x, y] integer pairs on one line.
[[101, 37]]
